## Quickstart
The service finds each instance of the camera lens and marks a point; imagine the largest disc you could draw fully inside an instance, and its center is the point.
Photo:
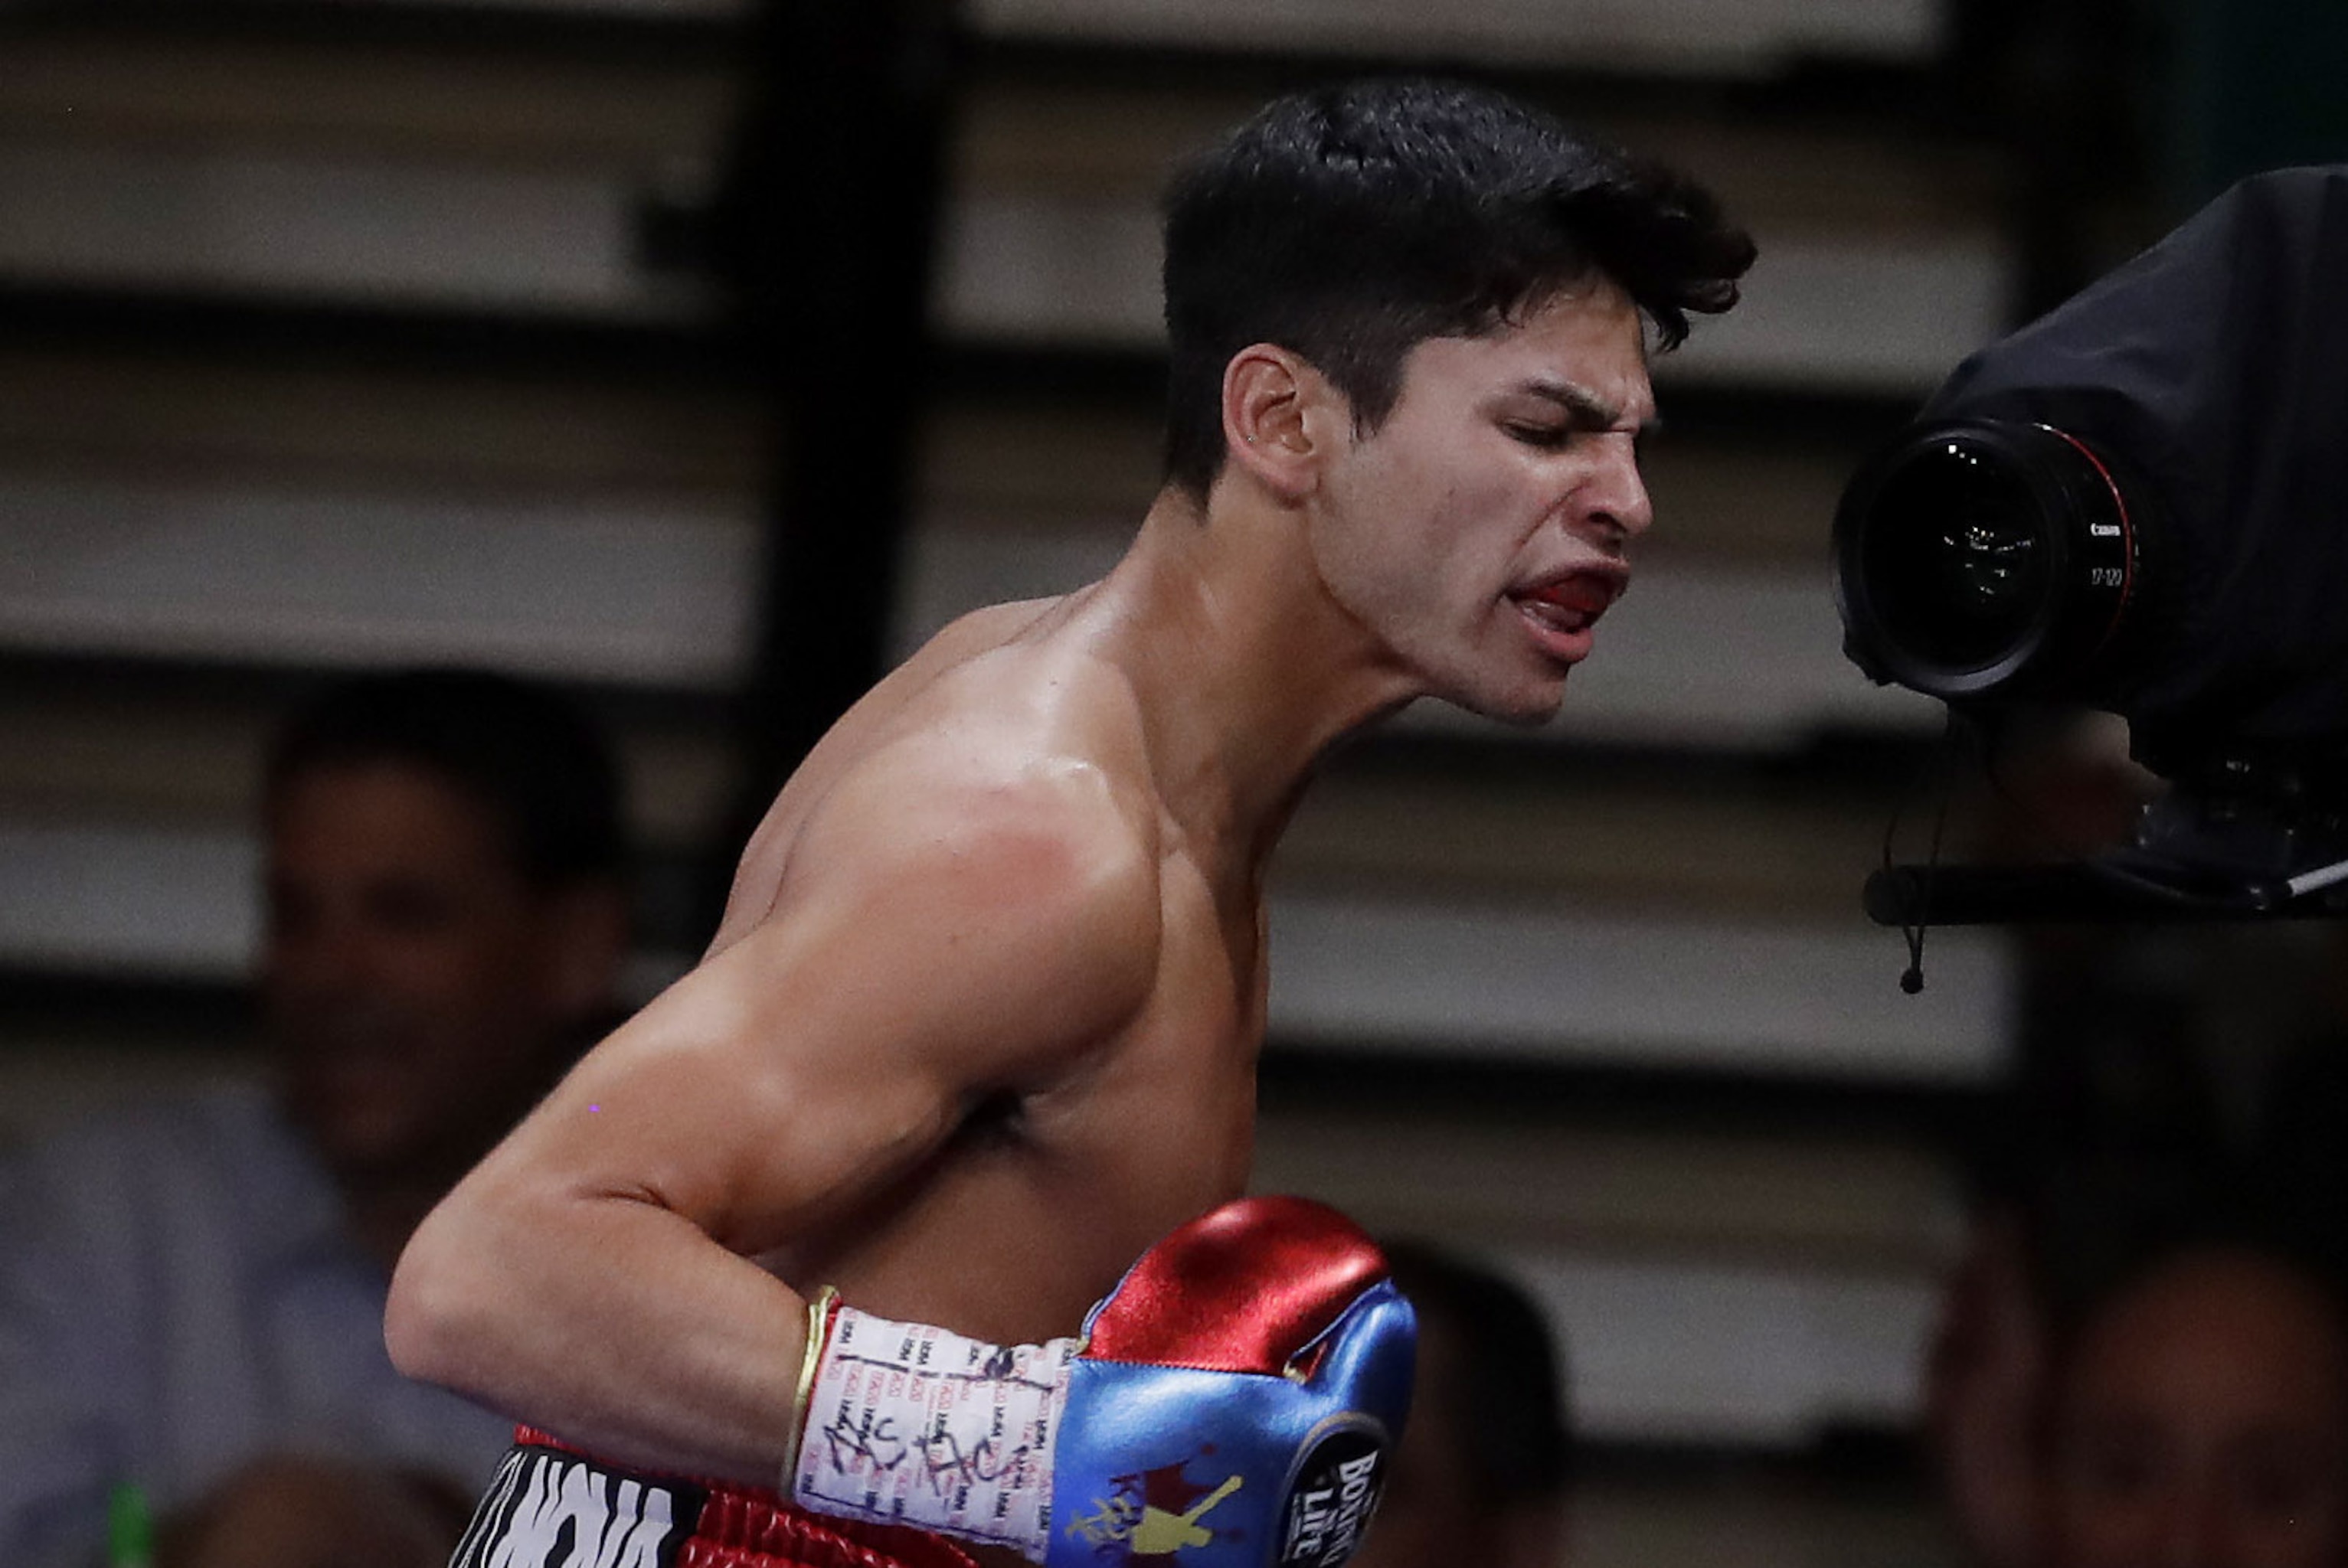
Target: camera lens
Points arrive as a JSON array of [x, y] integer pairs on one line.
[[1985, 558], [1960, 557]]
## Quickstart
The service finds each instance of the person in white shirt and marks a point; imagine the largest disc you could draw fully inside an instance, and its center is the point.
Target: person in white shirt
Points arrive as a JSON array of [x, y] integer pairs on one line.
[[191, 1294]]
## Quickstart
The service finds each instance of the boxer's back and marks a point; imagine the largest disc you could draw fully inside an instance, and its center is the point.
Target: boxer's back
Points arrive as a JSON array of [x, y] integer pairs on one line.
[[1054, 1180]]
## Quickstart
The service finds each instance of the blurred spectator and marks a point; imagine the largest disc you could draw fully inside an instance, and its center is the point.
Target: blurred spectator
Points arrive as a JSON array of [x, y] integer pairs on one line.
[[2083, 1168], [2134, 1377], [2108, 1124], [2198, 1417], [1479, 1478], [2104, 1388], [2044, 1254], [191, 1295], [2302, 1149], [1984, 1380]]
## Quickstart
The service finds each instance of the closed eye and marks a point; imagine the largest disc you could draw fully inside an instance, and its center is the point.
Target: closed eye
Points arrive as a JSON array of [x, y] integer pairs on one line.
[[1546, 437]]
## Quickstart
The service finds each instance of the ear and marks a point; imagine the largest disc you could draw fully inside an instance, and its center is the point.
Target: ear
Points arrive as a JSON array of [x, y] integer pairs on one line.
[[586, 928], [1282, 420]]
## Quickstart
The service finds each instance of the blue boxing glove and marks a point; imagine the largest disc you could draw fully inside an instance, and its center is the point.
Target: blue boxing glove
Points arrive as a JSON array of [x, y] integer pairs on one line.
[[1231, 1404]]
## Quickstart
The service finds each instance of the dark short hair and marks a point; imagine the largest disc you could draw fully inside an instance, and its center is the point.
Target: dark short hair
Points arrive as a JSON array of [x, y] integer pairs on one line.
[[1351, 223], [2098, 1237], [520, 750], [1510, 1409]]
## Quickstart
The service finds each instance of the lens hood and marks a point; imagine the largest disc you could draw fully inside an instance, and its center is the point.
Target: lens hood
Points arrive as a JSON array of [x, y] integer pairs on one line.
[[1983, 558]]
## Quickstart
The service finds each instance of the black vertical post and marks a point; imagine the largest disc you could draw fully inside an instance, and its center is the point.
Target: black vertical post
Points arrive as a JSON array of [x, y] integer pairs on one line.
[[827, 230], [2062, 87], [2257, 86]]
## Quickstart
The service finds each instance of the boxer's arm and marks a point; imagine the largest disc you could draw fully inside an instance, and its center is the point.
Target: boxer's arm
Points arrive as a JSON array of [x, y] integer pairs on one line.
[[930, 946]]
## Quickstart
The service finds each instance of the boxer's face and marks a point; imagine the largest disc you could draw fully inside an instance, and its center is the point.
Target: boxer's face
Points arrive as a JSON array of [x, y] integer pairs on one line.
[[412, 978], [1481, 528], [2203, 1423]]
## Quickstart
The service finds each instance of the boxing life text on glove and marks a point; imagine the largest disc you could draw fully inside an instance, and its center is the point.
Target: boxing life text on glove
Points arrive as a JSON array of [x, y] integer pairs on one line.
[[1233, 1404]]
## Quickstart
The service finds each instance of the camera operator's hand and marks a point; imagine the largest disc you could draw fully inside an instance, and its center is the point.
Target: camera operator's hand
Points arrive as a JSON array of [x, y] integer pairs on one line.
[[291, 1512]]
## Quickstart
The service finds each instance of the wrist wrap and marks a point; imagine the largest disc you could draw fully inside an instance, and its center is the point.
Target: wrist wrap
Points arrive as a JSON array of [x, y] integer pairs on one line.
[[909, 1424]]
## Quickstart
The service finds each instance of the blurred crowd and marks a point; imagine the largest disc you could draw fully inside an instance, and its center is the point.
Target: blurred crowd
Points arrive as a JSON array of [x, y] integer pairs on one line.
[[2142, 1357], [192, 1292]]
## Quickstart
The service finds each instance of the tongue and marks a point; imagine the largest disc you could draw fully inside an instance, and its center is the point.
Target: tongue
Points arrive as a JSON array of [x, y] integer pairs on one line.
[[1578, 596], [1558, 616]]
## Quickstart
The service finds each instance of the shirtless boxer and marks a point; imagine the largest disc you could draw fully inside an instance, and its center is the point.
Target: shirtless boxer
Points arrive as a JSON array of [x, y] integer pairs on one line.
[[981, 1021]]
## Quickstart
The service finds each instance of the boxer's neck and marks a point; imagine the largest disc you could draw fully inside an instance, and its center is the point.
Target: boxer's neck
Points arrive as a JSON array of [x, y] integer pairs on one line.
[[1245, 669]]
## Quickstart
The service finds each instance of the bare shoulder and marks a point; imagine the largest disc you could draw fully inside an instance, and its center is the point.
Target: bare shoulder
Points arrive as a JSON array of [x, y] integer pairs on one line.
[[929, 690], [1049, 824], [1009, 743], [1010, 812]]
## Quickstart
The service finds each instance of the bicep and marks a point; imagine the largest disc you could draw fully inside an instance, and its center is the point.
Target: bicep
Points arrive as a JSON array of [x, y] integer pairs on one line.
[[839, 1044]]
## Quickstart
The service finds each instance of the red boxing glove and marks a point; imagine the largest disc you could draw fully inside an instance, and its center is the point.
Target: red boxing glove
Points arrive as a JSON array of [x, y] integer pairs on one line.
[[1239, 1289], [1234, 1400]]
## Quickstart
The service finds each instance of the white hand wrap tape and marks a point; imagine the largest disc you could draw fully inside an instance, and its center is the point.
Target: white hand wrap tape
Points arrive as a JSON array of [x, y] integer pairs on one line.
[[913, 1425]]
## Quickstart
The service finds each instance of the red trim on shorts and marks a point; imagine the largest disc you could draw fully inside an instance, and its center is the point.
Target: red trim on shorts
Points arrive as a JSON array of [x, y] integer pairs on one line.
[[752, 1527]]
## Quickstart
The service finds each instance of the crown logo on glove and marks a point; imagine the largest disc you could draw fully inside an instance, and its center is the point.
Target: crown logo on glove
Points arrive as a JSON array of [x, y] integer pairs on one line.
[[1154, 1513]]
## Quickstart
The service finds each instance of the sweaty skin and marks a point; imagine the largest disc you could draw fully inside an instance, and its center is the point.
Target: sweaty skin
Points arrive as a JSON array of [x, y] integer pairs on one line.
[[981, 1021]]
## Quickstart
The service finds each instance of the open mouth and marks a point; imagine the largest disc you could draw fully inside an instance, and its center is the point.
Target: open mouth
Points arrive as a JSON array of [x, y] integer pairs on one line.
[[1571, 603], [1562, 611]]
